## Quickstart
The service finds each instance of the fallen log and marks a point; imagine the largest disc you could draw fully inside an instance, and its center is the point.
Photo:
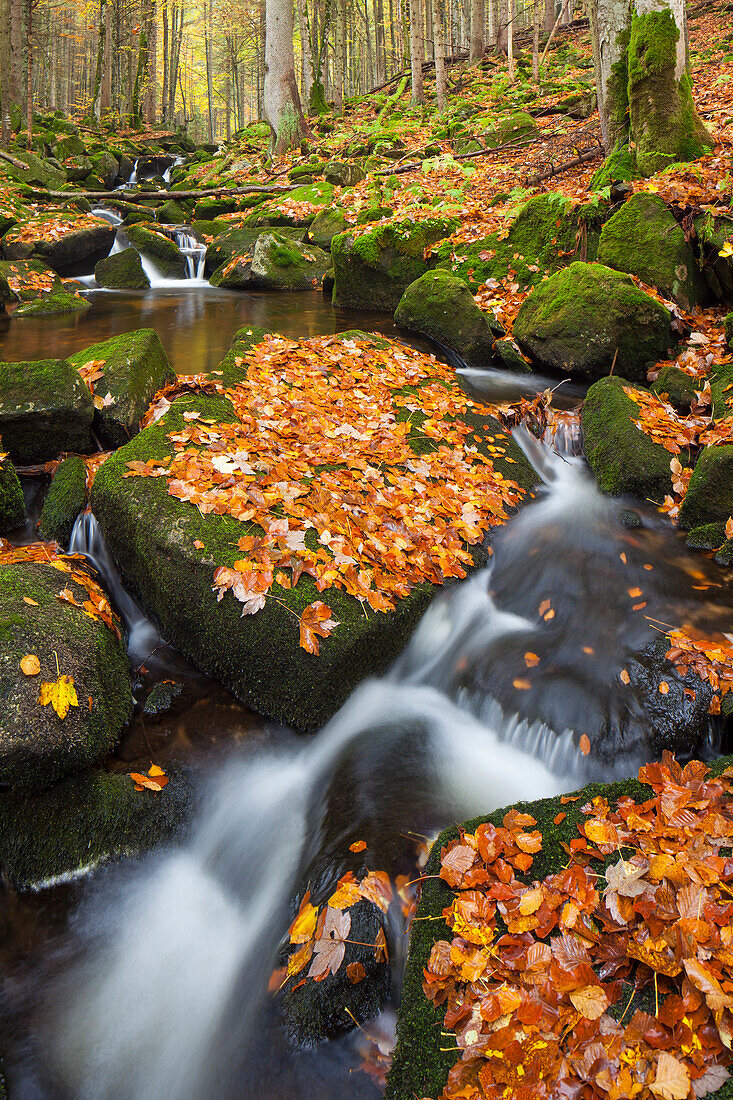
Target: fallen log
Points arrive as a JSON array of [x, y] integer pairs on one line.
[[128, 194], [11, 160], [548, 173], [398, 168]]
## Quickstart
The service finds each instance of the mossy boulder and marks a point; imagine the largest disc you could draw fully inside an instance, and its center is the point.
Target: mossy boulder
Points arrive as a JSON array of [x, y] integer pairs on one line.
[[68, 242], [168, 552], [64, 501], [165, 253], [106, 167], [644, 239], [343, 173], [237, 241], [70, 145], [12, 506], [134, 366], [77, 168], [326, 225], [542, 238], [511, 128], [279, 263], [587, 319], [37, 747], [677, 387], [122, 271], [30, 279], [440, 306], [52, 304], [728, 329], [210, 208], [45, 408], [710, 536], [373, 269], [37, 170], [623, 459], [172, 213], [85, 820], [709, 496]]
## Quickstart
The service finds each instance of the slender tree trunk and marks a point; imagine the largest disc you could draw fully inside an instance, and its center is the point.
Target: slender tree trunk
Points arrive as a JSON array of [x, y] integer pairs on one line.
[[95, 108], [306, 43], [549, 17], [166, 67], [476, 50], [282, 102], [151, 66], [609, 22], [439, 48], [209, 68], [512, 10], [416, 51], [338, 60], [5, 121], [502, 29], [29, 71], [536, 18], [16, 51]]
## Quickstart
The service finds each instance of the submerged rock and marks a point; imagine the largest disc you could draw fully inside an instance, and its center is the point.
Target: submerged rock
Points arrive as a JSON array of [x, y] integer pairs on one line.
[[37, 747], [64, 501], [12, 506], [442, 307], [53, 303], [45, 408], [122, 271], [134, 366], [587, 319]]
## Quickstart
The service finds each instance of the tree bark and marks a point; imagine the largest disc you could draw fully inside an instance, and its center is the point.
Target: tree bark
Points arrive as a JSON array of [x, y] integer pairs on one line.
[[338, 59], [609, 24], [283, 111], [476, 50], [417, 54], [209, 68], [29, 71], [439, 51], [95, 108]]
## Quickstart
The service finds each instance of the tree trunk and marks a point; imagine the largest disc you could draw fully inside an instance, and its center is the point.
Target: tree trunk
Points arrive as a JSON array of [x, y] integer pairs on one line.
[[536, 17], [16, 51], [151, 67], [306, 43], [439, 50], [5, 121], [416, 51], [511, 11], [282, 102], [29, 70], [209, 68], [609, 23], [166, 68], [549, 19], [476, 50], [502, 26], [338, 59], [95, 108]]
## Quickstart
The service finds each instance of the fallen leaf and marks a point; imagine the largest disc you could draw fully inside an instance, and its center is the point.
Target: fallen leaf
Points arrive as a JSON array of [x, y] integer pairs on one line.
[[30, 665], [584, 744], [61, 694]]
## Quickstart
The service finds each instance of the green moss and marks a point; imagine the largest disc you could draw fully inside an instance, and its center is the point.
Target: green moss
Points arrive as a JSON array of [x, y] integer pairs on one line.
[[728, 326], [442, 307], [26, 273], [588, 319], [122, 270], [421, 1063], [52, 304], [623, 459], [64, 501], [166, 255], [12, 506], [710, 536], [279, 263], [172, 213], [229, 372], [618, 167], [45, 408], [709, 496], [678, 387], [644, 239], [511, 128], [325, 226]]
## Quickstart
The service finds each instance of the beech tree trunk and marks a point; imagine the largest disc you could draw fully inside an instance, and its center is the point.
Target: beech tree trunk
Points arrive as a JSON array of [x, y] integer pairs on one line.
[[439, 51], [417, 53], [283, 111], [476, 48], [95, 108], [338, 59]]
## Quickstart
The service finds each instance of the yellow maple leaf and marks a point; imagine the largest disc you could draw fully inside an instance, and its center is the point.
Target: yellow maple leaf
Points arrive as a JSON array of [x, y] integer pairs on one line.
[[727, 249], [61, 694]]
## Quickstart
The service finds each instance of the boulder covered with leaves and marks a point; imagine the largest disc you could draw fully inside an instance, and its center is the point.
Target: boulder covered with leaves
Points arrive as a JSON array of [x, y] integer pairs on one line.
[[588, 320], [65, 692], [286, 521], [45, 408], [440, 306], [576, 945], [123, 373], [69, 242]]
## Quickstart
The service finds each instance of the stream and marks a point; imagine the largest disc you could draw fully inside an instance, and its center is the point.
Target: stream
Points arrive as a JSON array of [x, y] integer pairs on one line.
[[148, 978]]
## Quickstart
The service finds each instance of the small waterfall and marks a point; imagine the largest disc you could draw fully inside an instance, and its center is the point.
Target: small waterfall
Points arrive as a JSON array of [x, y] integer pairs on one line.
[[169, 170], [133, 176], [87, 539], [193, 250]]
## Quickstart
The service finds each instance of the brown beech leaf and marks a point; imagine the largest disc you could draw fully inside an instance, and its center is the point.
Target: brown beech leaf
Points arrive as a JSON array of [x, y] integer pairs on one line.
[[315, 623], [672, 1081], [329, 949], [591, 1001], [30, 665]]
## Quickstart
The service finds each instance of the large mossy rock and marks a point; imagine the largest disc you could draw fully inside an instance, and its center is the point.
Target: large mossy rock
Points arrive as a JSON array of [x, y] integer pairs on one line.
[[84, 820], [69, 242], [52, 304], [12, 506], [326, 225], [588, 319], [424, 1053], [37, 170], [279, 263], [511, 128], [240, 241], [168, 552], [45, 408], [134, 366], [165, 253], [122, 271], [30, 279], [373, 269], [440, 306], [644, 239], [106, 167], [709, 496], [623, 459], [64, 501], [37, 747], [546, 233]]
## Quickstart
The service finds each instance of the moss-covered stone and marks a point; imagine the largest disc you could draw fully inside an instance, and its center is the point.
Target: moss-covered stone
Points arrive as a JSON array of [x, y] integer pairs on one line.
[[343, 173], [423, 1057], [37, 170], [12, 506], [36, 746], [513, 127], [709, 496], [134, 366], [677, 387], [76, 244], [544, 236], [52, 304], [587, 319], [623, 459], [440, 306], [122, 271], [240, 240], [644, 239], [279, 263], [64, 501], [172, 213], [153, 535], [84, 820], [710, 536], [165, 253], [372, 270], [45, 408], [106, 167], [728, 329], [326, 225], [31, 279]]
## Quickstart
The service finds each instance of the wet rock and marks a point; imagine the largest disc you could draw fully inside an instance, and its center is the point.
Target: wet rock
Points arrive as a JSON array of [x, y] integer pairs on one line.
[[623, 459], [122, 271], [709, 536], [279, 263], [240, 241], [106, 167], [161, 699], [134, 366], [172, 213], [37, 747], [709, 496], [440, 306], [12, 506], [64, 501], [87, 819], [326, 225], [45, 408], [314, 1011], [235, 274], [165, 253], [510, 358], [69, 243], [587, 319], [373, 269], [644, 239], [53, 303], [677, 387]]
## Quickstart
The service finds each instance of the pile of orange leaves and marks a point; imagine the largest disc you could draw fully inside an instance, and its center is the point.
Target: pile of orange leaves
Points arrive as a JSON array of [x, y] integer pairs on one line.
[[611, 978], [355, 465], [710, 657]]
